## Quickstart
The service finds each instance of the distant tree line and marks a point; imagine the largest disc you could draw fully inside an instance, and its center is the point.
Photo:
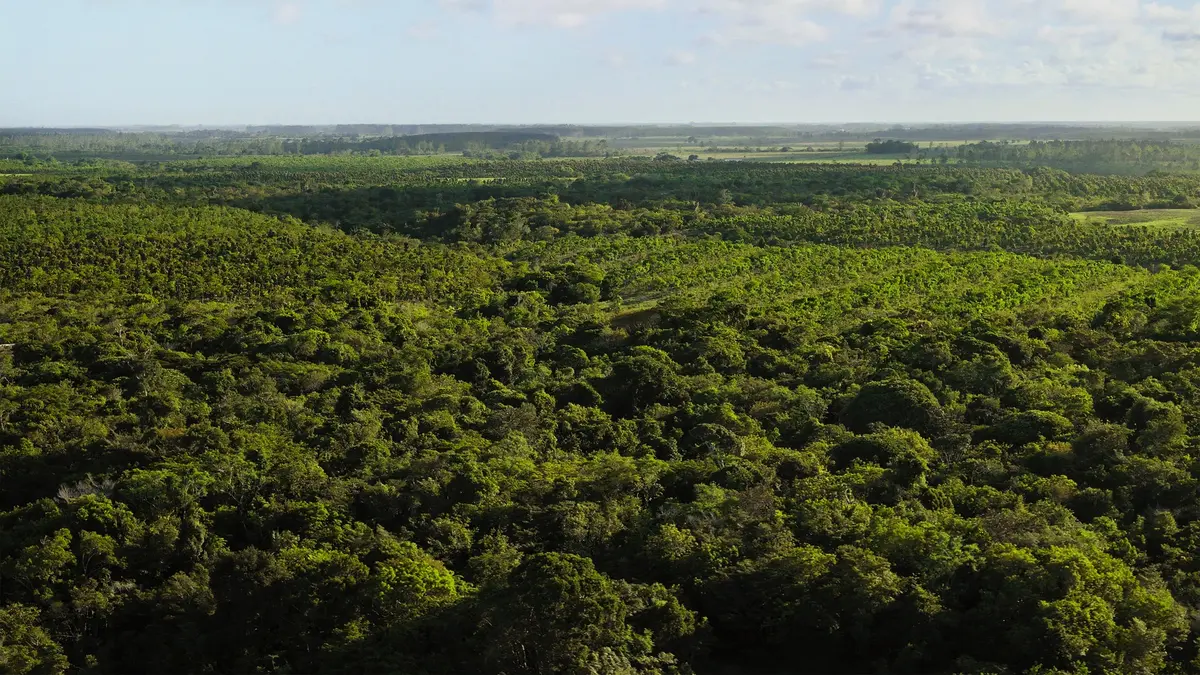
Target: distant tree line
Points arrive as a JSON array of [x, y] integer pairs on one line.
[[1092, 155], [102, 144], [890, 147]]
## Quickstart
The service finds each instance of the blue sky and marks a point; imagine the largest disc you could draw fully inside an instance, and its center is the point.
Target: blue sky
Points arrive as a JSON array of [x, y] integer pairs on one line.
[[80, 62]]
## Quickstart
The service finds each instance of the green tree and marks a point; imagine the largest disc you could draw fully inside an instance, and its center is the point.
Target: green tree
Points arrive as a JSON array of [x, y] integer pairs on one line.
[[556, 615], [25, 647], [895, 403]]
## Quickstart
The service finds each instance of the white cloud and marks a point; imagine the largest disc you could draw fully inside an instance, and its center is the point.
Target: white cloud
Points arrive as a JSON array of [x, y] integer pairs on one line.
[[794, 31], [1113, 44], [787, 22], [946, 18], [286, 13], [924, 43], [681, 57], [1156, 11], [559, 13], [775, 21], [1109, 11], [466, 5], [790, 7]]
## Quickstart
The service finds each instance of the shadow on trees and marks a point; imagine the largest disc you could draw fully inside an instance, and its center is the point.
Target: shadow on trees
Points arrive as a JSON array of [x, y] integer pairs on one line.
[[383, 210]]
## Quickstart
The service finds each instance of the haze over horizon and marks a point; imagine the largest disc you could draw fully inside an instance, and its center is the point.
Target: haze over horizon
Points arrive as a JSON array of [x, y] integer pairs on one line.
[[134, 62], [859, 125]]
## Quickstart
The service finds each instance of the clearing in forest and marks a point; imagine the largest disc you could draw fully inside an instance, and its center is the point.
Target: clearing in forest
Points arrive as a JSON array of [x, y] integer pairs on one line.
[[1170, 218]]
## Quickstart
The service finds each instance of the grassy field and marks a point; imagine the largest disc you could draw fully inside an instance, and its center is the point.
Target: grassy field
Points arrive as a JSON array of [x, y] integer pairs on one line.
[[777, 150], [1166, 218], [860, 157], [851, 156]]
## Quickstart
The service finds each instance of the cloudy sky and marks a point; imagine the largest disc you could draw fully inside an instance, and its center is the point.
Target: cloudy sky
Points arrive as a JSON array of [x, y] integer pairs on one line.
[[77, 62]]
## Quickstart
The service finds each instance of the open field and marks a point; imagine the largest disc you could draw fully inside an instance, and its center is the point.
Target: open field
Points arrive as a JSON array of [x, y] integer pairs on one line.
[[1164, 218], [773, 150], [701, 142], [857, 156], [836, 158]]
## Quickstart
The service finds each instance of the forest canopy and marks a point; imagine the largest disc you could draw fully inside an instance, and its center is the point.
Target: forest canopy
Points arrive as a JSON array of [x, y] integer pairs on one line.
[[438, 415]]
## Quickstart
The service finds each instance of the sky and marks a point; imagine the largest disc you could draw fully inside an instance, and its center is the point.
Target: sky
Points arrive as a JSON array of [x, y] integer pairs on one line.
[[127, 62]]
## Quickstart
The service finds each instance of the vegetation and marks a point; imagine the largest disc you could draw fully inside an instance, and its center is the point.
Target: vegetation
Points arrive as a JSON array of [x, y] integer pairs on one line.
[[100, 143], [1091, 149], [890, 147], [435, 415], [1106, 156], [1177, 218]]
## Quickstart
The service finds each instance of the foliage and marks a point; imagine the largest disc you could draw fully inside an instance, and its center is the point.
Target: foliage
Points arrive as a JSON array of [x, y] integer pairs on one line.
[[890, 147], [1109, 155], [432, 415]]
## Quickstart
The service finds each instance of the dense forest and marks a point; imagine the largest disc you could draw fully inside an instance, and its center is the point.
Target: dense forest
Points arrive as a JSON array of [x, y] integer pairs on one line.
[[1106, 156], [443, 415], [98, 143]]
